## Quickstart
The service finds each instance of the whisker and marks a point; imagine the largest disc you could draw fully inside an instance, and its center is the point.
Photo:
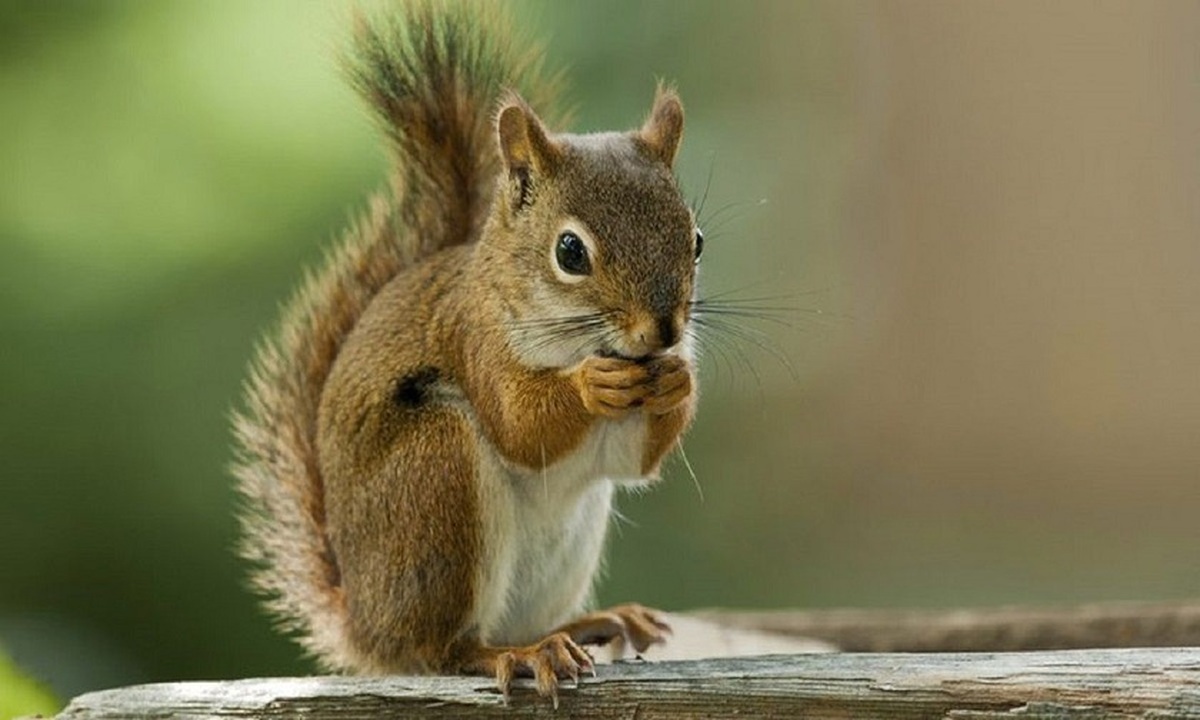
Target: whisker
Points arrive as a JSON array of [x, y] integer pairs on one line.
[[750, 302], [723, 215], [561, 327], [742, 303], [715, 348], [722, 337], [732, 291], [698, 212], [556, 321], [588, 341], [572, 334], [704, 353], [771, 316], [620, 519], [734, 295], [762, 307], [688, 465], [708, 221], [751, 335], [583, 334]]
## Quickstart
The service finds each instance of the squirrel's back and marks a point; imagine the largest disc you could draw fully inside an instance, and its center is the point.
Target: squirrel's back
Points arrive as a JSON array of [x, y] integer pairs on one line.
[[432, 75]]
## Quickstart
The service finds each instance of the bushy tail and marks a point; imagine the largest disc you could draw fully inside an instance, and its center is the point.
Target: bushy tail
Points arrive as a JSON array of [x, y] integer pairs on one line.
[[432, 73]]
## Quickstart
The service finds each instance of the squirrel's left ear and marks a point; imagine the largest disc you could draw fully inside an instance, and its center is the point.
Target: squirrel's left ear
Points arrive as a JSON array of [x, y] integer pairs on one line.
[[528, 152], [663, 129]]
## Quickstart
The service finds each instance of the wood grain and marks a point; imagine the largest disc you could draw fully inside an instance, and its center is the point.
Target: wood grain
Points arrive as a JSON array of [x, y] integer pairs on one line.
[[1129, 683]]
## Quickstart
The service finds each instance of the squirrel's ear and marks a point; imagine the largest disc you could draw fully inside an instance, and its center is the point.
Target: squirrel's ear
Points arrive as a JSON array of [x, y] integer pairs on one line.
[[526, 147], [663, 129]]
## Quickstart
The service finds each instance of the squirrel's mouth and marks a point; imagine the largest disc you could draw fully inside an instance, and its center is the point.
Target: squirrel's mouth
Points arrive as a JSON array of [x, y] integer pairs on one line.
[[609, 352]]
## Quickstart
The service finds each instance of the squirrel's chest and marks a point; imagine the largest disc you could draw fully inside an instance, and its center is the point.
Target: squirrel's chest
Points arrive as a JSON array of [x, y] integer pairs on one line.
[[613, 449], [544, 540]]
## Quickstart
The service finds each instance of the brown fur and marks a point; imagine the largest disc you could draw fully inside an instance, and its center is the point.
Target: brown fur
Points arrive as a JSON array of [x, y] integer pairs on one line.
[[402, 364]]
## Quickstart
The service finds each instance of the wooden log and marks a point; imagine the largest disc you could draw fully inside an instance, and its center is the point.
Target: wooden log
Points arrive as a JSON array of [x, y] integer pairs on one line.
[[1104, 625], [1127, 683]]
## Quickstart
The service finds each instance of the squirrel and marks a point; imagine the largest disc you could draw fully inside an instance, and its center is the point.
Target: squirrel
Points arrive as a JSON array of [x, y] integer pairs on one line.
[[432, 439]]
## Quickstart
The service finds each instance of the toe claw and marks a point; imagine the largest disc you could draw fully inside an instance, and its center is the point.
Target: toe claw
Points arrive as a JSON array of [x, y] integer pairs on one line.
[[505, 668], [556, 659]]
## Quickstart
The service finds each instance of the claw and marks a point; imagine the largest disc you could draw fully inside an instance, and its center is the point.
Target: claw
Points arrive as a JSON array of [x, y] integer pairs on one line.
[[555, 658], [505, 666]]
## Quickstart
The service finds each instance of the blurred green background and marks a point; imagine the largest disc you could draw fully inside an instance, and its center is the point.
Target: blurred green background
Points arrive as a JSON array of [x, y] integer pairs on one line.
[[983, 217]]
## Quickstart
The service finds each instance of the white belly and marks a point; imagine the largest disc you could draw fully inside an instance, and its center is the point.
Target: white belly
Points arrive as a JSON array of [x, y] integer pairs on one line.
[[544, 542]]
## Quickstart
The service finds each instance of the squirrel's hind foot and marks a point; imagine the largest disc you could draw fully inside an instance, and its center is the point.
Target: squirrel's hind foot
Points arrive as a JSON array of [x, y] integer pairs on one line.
[[557, 657]]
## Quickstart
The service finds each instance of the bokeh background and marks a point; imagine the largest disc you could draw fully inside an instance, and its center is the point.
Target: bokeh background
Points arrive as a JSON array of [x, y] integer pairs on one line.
[[979, 220]]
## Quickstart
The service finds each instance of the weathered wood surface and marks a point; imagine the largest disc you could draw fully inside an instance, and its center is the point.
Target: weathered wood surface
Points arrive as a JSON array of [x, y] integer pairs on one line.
[[694, 638], [976, 630], [1127, 683]]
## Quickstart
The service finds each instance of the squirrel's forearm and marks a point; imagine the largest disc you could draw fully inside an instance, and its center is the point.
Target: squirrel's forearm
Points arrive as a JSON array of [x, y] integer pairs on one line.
[[533, 417], [663, 431]]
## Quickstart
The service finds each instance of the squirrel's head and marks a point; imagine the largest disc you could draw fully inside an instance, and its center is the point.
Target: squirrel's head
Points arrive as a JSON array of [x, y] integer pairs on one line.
[[603, 245]]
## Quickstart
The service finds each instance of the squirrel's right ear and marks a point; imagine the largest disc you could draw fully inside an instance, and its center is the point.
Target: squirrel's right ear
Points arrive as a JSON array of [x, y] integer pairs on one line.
[[663, 129], [528, 151]]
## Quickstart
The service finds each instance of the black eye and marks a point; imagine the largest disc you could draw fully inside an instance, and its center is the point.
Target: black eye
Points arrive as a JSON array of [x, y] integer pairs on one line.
[[572, 255], [699, 244]]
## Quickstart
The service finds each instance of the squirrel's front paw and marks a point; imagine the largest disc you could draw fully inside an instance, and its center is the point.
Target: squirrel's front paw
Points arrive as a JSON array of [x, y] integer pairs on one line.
[[610, 386], [670, 384], [625, 625]]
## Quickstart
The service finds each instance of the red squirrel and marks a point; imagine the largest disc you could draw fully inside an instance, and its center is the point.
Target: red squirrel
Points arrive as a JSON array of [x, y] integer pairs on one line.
[[433, 436]]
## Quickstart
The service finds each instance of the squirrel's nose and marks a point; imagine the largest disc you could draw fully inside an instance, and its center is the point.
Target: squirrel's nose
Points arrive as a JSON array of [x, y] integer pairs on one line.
[[656, 333], [652, 333]]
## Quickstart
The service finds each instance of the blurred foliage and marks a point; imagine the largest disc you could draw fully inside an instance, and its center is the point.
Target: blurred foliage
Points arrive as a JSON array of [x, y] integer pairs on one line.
[[171, 167], [21, 696]]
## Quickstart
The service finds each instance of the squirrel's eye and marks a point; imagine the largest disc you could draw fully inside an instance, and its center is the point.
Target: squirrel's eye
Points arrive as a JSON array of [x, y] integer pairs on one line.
[[699, 244], [571, 255]]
